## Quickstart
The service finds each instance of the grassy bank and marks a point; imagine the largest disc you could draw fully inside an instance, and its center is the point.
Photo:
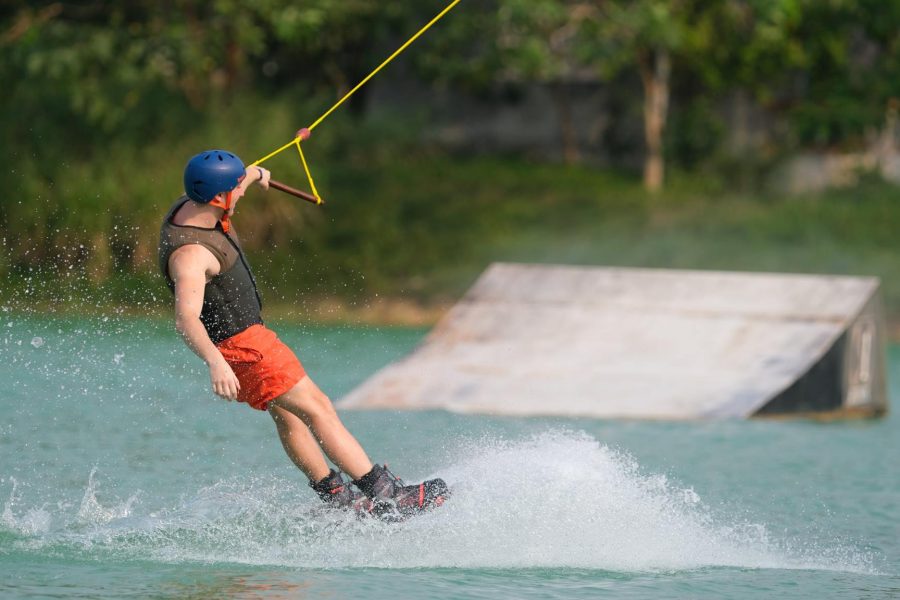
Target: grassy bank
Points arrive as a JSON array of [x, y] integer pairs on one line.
[[407, 229], [424, 229]]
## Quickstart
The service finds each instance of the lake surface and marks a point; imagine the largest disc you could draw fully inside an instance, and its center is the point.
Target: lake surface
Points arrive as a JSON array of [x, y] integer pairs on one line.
[[121, 475]]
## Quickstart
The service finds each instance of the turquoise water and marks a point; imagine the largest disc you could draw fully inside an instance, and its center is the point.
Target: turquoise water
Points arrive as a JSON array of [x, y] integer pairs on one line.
[[121, 475]]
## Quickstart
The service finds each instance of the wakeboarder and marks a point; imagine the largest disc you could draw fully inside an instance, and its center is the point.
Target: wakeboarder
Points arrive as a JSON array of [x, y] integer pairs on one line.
[[218, 314]]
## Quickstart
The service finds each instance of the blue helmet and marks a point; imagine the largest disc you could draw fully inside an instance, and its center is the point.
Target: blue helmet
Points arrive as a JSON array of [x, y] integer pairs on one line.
[[210, 173]]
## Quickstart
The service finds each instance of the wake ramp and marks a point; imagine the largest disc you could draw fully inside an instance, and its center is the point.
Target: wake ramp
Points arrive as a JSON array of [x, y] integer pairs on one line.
[[646, 344]]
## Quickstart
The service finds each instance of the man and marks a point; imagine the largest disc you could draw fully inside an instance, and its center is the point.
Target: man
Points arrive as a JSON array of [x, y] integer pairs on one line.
[[217, 312]]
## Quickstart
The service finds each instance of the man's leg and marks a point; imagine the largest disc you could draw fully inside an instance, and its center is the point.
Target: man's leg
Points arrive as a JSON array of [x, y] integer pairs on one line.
[[299, 444], [389, 497], [309, 404]]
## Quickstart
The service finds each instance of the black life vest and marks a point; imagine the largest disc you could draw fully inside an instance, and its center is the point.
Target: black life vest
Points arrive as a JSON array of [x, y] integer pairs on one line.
[[231, 301]]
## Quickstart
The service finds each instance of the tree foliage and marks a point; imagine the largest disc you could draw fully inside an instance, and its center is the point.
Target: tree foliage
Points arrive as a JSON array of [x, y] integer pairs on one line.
[[101, 95], [93, 71]]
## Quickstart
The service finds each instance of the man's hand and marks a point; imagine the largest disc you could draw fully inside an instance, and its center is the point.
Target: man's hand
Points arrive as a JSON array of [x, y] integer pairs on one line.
[[224, 382]]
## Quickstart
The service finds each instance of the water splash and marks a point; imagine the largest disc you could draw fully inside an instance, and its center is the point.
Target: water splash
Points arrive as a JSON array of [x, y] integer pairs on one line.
[[558, 499], [34, 521], [91, 512]]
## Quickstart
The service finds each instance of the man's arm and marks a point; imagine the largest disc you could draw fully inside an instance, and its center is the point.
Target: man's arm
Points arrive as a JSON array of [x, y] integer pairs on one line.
[[189, 267]]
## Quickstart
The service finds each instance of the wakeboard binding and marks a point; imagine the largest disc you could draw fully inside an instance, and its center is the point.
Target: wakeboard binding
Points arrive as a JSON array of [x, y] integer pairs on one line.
[[392, 500], [337, 493]]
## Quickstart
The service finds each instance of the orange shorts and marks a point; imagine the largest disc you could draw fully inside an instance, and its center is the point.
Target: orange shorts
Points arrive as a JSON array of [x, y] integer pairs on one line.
[[265, 367]]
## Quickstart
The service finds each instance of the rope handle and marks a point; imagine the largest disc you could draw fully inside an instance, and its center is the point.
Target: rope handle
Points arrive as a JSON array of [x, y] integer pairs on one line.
[[304, 133], [294, 192]]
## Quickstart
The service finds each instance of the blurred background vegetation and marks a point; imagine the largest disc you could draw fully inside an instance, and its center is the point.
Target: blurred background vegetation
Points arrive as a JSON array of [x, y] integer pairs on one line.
[[726, 134]]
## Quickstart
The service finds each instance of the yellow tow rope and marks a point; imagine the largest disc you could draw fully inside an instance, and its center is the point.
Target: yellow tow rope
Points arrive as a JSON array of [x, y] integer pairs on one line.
[[296, 140]]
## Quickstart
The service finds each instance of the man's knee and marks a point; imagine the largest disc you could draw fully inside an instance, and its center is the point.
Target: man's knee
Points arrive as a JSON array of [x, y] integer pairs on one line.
[[306, 400], [319, 406]]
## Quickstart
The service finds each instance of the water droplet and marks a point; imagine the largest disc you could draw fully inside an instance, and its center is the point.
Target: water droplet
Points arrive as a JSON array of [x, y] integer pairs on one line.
[[37, 341]]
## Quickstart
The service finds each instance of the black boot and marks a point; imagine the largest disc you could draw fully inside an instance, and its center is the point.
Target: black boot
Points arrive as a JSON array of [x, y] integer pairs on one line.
[[334, 491], [394, 500]]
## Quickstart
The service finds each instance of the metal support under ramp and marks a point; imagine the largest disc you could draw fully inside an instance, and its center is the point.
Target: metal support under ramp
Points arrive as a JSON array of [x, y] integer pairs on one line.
[[646, 344]]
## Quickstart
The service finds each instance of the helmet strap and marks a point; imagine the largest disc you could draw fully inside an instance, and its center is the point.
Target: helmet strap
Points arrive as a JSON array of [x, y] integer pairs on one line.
[[226, 206]]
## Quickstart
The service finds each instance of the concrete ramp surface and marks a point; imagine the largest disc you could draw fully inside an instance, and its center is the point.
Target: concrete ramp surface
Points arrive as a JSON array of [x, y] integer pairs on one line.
[[639, 343]]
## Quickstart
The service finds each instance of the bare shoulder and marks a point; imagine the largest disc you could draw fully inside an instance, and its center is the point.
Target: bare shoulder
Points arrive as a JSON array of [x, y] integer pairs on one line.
[[192, 260]]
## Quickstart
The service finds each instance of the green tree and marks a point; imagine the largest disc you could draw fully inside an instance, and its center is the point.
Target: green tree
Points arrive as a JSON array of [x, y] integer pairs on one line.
[[508, 44], [763, 46], [648, 35], [103, 80], [536, 44], [827, 68]]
